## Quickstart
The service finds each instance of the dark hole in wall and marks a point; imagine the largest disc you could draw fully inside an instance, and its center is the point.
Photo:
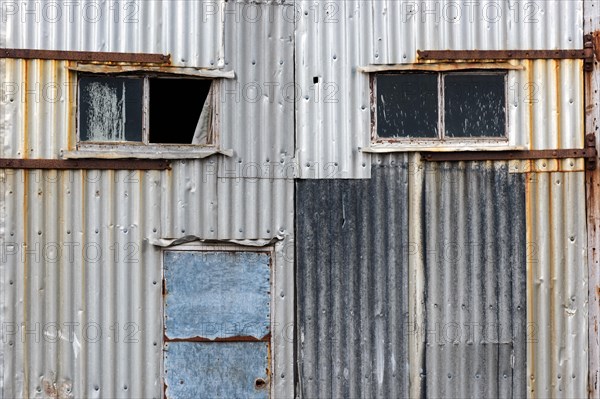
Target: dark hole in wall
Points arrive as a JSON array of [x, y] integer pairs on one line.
[[175, 107]]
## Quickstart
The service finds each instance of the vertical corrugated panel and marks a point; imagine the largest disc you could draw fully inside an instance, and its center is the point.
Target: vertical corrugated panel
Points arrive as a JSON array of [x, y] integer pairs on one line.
[[352, 285], [191, 31], [77, 260], [475, 299], [257, 107], [332, 122], [82, 284], [335, 38], [558, 285]]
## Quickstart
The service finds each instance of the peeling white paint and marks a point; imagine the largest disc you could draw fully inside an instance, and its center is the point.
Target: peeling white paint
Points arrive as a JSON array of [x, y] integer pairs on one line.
[[106, 113]]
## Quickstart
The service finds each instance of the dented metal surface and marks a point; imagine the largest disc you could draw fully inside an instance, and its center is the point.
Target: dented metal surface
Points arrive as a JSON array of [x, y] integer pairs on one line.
[[474, 249], [545, 99], [217, 295], [223, 370]]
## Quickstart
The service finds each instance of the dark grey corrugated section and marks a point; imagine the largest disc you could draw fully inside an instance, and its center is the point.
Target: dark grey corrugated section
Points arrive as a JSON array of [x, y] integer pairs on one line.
[[475, 265], [352, 285]]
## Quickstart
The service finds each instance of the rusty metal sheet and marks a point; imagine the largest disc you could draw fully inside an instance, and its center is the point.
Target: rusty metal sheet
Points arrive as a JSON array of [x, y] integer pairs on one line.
[[223, 370], [90, 56], [217, 294]]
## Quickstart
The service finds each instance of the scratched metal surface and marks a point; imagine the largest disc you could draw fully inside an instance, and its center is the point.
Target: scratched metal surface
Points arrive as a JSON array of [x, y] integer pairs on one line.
[[217, 294], [216, 370]]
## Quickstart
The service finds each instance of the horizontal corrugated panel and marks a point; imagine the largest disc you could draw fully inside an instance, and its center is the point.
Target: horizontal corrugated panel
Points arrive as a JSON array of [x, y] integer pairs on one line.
[[557, 281], [190, 31], [475, 268], [352, 267], [336, 38]]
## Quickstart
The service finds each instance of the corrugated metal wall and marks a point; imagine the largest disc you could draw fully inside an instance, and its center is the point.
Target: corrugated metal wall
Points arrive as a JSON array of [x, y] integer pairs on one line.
[[353, 247], [475, 268], [353, 276], [248, 196], [336, 38]]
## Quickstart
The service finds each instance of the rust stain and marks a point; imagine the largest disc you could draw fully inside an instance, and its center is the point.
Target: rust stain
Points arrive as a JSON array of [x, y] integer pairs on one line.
[[596, 44]]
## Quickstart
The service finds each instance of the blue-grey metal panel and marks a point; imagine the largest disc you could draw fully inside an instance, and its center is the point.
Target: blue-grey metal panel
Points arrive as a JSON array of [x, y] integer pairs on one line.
[[352, 255], [217, 370], [217, 294], [475, 271]]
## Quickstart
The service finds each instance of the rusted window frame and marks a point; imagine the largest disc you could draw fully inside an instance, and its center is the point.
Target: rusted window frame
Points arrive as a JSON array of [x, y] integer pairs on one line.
[[440, 139]]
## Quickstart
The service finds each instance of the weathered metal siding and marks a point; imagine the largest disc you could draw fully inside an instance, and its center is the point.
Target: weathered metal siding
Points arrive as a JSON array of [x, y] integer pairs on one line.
[[238, 198], [336, 38], [89, 262], [353, 248], [192, 32], [475, 276], [557, 283], [352, 233]]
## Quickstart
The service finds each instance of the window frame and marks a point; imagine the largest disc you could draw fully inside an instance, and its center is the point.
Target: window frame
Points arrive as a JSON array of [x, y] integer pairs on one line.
[[145, 145], [441, 139]]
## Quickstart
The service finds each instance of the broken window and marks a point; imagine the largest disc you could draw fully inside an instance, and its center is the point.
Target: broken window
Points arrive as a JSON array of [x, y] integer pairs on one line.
[[440, 105], [145, 110]]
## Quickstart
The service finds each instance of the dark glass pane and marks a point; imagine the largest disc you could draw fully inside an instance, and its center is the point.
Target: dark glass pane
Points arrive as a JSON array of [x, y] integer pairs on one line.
[[175, 108], [474, 105], [407, 105], [110, 109]]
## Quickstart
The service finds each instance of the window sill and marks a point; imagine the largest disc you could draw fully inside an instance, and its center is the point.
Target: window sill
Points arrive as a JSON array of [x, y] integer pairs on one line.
[[192, 153], [383, 148]]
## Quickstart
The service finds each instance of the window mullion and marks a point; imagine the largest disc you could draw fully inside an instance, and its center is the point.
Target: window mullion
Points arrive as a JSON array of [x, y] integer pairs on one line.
[[441, 107], [146, 111]]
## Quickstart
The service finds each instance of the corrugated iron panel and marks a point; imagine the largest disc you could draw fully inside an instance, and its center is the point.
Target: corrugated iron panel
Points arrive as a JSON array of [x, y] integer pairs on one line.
[[191, 32], [40, 102], [257, 118], [475, 268], [557, 281], [77, 259], [336, 38], [353, 248]]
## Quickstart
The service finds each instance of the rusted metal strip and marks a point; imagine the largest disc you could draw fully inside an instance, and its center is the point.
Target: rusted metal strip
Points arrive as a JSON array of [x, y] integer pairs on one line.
[[90, 56], [589, 153], [99, 164], [453, 55], [241, 338]]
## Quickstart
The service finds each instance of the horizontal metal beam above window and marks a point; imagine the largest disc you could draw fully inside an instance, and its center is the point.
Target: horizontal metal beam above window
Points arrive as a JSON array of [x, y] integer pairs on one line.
[[440, 67], [454, 55], [89, 56], [589, 153], [167, 70], [97, 164]]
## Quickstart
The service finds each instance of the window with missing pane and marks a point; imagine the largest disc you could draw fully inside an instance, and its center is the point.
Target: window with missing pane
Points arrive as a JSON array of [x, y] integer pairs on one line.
[[437, 106], [145, 110]]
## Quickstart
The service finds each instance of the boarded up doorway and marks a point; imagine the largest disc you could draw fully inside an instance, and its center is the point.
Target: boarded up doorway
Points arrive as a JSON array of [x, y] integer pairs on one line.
[[217, 324]]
